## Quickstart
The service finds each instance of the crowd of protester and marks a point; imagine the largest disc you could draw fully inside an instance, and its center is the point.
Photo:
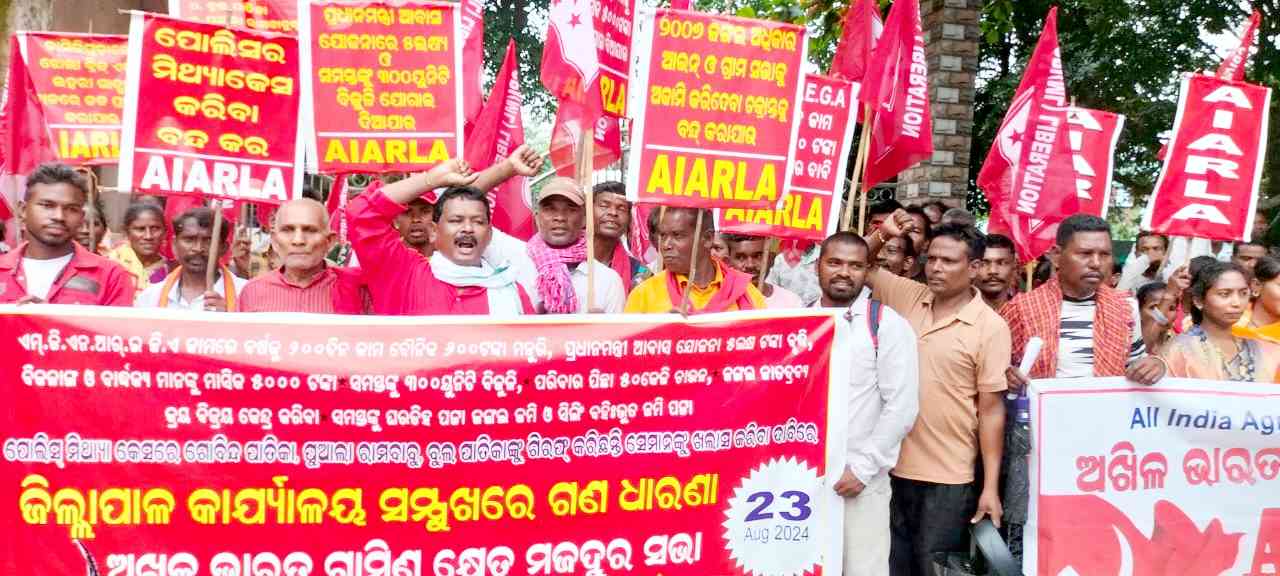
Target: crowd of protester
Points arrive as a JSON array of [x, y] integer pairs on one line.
[[941, 313]]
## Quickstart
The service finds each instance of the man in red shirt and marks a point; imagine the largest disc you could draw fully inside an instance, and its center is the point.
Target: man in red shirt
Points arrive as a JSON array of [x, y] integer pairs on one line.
[[52, 268], [301, 237], [456, 279]]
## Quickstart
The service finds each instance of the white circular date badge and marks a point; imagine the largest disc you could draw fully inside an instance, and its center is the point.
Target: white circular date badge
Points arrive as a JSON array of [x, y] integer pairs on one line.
[[771, 525]]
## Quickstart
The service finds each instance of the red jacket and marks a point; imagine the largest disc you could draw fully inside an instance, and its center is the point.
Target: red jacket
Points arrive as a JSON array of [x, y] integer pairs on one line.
[[399, 279], [87, 279]]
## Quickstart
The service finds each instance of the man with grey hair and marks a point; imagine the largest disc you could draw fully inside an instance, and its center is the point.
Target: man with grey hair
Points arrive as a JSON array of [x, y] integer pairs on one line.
[[301, 237]]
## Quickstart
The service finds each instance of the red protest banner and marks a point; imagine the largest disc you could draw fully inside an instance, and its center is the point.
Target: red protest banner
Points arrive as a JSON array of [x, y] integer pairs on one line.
[[79, 81], [1179, 478], [1094, 135], [612, 19], [1208, 187], [393, 446], [811, 209], [221, 112], [385, 78], [268, 15], [719, 109]]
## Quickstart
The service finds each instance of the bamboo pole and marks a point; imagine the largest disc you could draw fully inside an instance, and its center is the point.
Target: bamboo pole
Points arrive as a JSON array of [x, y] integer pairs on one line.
[[866, 159], [214, 245], [586, 159], [764, 266], [859, 161], [1031, 275], [655, 241], [693, 262]]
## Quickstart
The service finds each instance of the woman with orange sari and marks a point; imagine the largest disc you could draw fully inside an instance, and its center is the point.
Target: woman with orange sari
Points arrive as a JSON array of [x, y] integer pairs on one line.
[[1220, 295]]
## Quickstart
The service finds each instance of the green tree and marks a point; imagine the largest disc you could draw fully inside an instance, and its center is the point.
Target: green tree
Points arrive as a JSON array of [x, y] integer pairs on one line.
[[1120, 56]]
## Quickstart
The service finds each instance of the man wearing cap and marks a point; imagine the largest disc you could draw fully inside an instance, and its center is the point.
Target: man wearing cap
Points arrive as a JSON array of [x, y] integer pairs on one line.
[[560, 248]]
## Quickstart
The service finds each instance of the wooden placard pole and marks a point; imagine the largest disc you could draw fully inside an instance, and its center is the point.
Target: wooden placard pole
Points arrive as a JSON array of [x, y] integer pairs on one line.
[[1031, 275], [764, 265], [92, 178], [693, 263], [586, 160], [655, 241], [866, 159], [214, 245], [859, 161]]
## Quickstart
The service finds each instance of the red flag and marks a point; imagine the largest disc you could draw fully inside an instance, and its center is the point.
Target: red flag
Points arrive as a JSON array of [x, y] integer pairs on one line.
[[571, 72], [499, 130], [861, 28], [1232, 67], [680, 4], [336, 205], [1028, 176], [472, 62], [26, 142], [1208, 186], [641, 244], [1094, 135], [896, 86]]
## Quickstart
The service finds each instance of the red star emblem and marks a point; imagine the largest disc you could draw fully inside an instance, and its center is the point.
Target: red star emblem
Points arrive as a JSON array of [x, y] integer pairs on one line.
[[574, 21]]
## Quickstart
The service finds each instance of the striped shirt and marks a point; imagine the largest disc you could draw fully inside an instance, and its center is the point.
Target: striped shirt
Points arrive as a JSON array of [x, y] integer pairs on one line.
[[335, 290]]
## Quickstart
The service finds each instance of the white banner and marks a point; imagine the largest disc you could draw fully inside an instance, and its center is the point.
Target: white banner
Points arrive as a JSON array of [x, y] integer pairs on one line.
[[1179, 478]]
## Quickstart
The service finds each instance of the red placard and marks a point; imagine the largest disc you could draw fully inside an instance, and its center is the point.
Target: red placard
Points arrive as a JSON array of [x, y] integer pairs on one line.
[[386, 84], [306, 444], [1208, 187], [1093, 135], [716, 109], [268, 15], [79, 79], [811, 210], [612, 19], [220, 117]]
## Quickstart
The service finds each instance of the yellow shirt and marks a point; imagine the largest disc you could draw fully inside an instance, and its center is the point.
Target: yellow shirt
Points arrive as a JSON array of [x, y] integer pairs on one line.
[[651, 296], [128, 259]]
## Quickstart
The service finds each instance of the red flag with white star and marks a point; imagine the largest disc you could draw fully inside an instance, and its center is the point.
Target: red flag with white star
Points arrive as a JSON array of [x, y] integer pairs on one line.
[[1029, 175], [571, 72]]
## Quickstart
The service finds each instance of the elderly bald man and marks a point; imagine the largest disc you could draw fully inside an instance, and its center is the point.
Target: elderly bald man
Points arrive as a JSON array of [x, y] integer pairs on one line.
[[304, 283]]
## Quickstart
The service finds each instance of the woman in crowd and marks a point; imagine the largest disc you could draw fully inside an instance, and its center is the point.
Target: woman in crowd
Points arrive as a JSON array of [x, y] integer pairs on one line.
[[1266, 294], [1219, 295], [1157, 304], [145, 228]]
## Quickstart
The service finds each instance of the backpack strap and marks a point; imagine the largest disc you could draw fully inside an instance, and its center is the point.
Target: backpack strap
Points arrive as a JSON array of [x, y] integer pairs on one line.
[[874, 310]]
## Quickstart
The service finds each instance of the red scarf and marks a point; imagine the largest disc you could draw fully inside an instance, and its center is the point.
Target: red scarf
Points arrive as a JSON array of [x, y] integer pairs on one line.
[[1039, 313], [555, 285], [621, 264], [733, 290]]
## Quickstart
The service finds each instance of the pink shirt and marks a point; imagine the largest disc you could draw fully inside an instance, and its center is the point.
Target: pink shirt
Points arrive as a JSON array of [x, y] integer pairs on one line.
[[782, 299], [333, 291], [399, 279]]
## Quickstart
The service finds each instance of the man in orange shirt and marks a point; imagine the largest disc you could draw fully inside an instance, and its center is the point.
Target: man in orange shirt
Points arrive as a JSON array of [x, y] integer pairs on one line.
[[964, 349], [715, 287]]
